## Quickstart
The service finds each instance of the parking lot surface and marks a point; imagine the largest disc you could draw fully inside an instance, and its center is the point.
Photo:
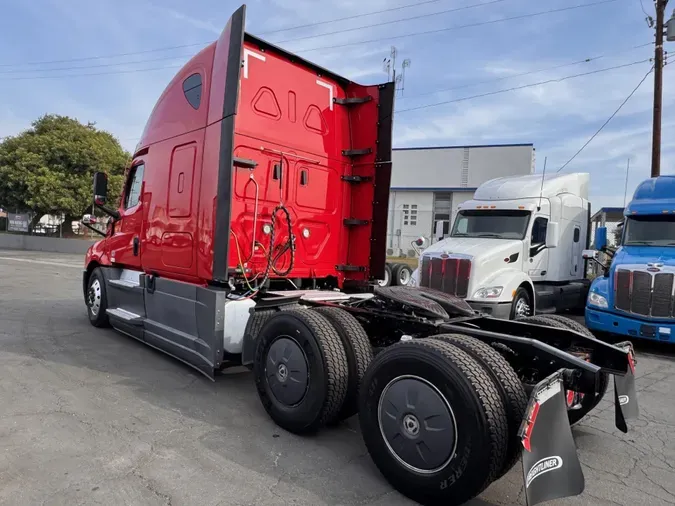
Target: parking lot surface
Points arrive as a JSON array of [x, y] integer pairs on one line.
[[89, 416]]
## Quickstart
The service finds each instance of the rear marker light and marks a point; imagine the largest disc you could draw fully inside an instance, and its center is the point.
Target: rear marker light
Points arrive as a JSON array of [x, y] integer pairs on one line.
[[531, 419]]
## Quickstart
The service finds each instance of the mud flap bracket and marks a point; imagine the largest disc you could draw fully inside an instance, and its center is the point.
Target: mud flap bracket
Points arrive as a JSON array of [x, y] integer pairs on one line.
[[551, 467]]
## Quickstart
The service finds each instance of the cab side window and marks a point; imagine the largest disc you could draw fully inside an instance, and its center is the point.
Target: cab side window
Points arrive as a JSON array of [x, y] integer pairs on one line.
[[132, 195], [539, 231]]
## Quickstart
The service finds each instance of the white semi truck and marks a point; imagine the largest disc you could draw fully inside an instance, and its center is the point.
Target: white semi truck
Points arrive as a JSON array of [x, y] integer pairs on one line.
[[516, 248]]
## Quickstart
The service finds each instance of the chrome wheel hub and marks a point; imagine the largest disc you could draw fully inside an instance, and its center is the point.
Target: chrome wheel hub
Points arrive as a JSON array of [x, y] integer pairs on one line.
[[94, 297], [522, 308]]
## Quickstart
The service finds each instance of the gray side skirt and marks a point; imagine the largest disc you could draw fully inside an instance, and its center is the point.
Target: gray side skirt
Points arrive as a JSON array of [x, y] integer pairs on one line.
[[183, 320]]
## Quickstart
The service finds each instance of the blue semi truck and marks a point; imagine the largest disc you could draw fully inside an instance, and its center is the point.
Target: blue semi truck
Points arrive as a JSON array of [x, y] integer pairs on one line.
[[635, 294]]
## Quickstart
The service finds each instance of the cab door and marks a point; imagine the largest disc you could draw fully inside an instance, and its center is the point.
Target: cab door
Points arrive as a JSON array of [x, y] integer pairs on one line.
[[125, 247]]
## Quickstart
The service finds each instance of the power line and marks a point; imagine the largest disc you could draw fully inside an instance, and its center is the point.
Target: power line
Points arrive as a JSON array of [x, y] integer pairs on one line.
[[608, 119], [382, 23], [530, 72], [87, 58], [30, 78], [458, 27], [85, 67], [355, 16], [516, 88], [170, 48]]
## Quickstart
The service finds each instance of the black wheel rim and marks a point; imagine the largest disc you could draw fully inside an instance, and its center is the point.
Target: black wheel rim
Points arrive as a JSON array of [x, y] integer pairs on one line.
[[286, 371], [417, 424]]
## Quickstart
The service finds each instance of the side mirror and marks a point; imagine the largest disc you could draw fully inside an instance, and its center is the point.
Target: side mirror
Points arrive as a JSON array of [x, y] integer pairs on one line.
[[438, 233], [552, 234], [589, 254], [100, 188], [417, 244], [89, 219], [600, 241]]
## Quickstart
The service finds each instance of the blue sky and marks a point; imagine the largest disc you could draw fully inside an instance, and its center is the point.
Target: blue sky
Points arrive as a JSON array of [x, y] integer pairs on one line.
[[557, 117]]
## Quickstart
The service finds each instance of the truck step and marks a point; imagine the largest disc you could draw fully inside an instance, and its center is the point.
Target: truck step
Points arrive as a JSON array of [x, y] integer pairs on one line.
[[126, 316], [124, 283], [546, 310]]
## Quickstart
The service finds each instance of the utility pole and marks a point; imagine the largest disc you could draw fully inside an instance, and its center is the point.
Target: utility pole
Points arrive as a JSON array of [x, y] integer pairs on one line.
[[660, 6]]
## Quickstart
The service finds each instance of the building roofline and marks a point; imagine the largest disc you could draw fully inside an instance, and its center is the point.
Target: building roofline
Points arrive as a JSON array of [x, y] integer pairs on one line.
[[425, 148]]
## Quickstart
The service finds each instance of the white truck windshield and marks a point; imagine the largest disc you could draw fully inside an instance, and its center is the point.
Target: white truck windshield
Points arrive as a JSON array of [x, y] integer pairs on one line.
[[496, 223], [650, 230]]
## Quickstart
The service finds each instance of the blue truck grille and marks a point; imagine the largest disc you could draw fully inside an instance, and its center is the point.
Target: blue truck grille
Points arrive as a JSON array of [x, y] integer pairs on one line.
[[644, 293]]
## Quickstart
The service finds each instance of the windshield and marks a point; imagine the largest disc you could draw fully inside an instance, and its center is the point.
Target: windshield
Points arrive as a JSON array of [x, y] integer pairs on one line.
[[496, 223], [651, 230]]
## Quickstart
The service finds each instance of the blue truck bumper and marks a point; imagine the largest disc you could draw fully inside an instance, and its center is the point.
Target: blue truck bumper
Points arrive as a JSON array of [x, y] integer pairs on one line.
[[604, 321]]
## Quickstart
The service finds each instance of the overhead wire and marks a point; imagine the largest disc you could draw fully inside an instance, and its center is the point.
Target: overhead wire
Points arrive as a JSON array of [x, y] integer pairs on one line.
[[608, 119], [515, 88], [346, 18], [527, 73], [457, 27], [391, 22], [132, 71], [86, 67], [269, 32]]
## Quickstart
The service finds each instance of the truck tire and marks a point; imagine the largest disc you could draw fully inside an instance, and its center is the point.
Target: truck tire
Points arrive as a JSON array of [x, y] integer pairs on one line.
[[569, 323], [97, 299], [541, 320], [521, 306], [465, 452], [253, 326], [359, 354], [507, 383], [302, 346], [589, 402], [401, 275], [387, 276]]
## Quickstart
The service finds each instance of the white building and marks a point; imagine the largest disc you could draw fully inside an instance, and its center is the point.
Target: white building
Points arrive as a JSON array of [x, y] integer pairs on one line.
[[428, 184]]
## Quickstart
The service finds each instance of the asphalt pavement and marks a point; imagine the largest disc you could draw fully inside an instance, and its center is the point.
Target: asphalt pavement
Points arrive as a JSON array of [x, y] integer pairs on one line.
[[89, 416]]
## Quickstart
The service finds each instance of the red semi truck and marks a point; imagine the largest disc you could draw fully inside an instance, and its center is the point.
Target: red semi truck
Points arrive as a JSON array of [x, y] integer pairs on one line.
[[251, 231]]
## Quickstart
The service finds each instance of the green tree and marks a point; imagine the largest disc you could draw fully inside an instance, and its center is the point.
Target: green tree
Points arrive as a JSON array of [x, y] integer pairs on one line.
[[48, 169]]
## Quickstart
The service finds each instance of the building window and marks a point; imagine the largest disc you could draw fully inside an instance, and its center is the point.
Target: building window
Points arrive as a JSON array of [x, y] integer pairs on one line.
[[409, 214]]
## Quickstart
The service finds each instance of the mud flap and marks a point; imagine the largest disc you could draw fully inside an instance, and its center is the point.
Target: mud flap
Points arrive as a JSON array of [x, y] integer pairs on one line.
[[625, 395], [551, 467]]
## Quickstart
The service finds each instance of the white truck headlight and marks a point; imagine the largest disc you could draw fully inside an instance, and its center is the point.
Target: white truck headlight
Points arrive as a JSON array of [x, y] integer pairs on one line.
[[595, 299], [489, 292]]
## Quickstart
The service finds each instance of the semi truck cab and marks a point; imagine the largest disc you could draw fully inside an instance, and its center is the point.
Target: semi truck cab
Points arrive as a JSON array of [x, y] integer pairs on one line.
[[516, 247], [634, 295]]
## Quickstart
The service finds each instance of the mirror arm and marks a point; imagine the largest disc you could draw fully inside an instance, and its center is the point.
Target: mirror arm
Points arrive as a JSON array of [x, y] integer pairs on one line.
[[110, 212], [93, 228]]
